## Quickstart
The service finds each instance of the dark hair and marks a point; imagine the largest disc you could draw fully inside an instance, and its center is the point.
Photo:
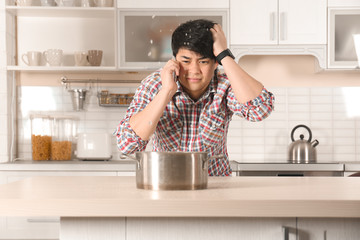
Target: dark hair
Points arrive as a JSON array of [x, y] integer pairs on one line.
[[194, 35]]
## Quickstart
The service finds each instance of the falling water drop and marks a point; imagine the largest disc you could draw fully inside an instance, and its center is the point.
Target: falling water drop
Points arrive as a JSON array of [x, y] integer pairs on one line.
[[151, 41]]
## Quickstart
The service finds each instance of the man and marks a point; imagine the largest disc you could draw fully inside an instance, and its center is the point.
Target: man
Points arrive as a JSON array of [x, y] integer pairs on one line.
[[187, 105]]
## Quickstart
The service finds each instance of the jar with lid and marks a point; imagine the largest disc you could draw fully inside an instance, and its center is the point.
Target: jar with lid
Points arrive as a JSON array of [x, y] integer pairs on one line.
[[62, 141], [41, 136]]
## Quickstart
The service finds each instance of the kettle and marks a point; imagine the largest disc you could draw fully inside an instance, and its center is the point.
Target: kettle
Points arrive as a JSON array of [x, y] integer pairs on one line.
[[302, 150]]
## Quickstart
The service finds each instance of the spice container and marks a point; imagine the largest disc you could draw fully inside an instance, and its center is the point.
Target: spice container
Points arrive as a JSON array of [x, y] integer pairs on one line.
[[63, 137], [114, 98], [104, 97], [122, 99], [41, 136], [129, 97]]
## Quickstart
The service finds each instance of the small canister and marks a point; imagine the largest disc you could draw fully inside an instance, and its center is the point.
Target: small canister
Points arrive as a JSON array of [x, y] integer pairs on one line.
[[62, 141], [129, 97], [41, 136]]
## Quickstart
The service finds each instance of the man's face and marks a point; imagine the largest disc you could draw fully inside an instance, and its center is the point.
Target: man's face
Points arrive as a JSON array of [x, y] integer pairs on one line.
[[196, 72]]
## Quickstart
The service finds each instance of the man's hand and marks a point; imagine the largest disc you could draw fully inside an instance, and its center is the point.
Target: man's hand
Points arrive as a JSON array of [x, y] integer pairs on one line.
[[169, 75], [220, 43]]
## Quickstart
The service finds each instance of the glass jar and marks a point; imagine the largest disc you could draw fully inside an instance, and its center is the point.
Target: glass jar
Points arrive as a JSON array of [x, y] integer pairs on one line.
[[41, 136], [62, 141]]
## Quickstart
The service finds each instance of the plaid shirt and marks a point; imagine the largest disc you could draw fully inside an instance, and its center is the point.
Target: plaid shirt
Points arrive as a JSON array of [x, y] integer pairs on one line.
[[191, 126]]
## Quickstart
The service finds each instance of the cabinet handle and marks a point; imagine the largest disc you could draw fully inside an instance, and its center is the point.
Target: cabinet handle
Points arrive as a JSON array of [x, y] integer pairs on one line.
[[272, 26], [43, 220], [285, 233], [283, 27]]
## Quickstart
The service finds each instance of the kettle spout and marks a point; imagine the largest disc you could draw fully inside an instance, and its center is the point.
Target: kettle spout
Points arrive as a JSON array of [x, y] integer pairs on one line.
[[314, 143]]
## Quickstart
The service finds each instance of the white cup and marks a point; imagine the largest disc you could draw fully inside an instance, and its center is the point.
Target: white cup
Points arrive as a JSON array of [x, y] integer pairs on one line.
[[32, 58], [47, 3], [65, 3], [85, 3], [81, 58], [54, 57], [24, 3], [103, 3]]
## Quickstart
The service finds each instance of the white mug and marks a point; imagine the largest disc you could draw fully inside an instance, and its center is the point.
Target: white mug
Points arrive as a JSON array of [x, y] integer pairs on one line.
[[85, 3], [65, 3], [54, 57], [81, 58], [103, 3], [24, 3], [32, 58]]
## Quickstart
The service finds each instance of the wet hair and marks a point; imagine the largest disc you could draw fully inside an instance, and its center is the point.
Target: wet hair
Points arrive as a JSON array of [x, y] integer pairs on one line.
[[194, 35]]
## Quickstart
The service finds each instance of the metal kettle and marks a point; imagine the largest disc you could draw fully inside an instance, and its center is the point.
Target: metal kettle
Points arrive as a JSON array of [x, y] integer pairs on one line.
[[302, 150]]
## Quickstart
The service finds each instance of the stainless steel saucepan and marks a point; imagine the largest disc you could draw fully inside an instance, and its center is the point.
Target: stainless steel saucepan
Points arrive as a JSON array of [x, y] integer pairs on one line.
[[172, 170]]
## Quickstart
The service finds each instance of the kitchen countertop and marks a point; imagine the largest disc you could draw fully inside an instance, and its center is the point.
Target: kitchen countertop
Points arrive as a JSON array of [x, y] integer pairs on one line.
[[225, 197], [129, 165], [282, 166], [73, 165]]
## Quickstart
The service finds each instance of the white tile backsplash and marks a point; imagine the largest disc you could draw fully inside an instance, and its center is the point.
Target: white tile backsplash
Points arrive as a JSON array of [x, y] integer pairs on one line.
[[324, 110]]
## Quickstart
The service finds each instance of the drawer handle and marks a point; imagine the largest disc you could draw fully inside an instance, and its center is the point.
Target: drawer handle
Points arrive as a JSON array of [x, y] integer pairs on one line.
[[285, 233], [43, 220]]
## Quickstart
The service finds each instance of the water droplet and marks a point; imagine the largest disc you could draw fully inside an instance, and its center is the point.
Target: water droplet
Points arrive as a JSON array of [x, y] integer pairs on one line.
[[149, 54], [151, 41], [153, 16], [185, 34]]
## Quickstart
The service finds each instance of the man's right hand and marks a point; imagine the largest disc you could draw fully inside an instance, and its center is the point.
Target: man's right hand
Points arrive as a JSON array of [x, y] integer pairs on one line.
[[169, 75]]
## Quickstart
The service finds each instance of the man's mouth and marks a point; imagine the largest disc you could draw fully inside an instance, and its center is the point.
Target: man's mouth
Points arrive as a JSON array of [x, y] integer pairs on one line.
[[193, 79]]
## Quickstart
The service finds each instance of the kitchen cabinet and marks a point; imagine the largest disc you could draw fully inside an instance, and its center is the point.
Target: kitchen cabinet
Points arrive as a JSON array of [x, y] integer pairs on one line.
[[343, 24], [328, 229], [343, 3], [277, 22], [164, 4], [210, 228], [67, 28], [102, 28], [40, 227], [145, 35]]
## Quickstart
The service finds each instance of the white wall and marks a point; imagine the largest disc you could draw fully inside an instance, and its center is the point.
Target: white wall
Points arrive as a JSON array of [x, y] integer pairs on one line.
[[328, 111]]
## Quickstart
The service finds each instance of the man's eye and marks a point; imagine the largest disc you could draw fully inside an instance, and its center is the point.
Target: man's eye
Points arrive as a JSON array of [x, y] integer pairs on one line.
[[185, 61], [204, 62]]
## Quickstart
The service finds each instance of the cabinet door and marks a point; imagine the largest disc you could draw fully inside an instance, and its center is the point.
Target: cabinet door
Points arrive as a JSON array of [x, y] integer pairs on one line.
[[278, 22], [145, 35], [253, 22], [328, 228], [210, 228], [35, 227], [302, 21]]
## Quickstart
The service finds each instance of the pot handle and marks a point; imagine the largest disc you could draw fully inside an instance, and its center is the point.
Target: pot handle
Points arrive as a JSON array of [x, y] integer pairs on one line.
[[216, 156], [138, 166]]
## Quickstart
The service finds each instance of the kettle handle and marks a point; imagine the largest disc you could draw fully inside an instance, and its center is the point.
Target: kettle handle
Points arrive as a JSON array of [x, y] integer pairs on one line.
[[304, 126]]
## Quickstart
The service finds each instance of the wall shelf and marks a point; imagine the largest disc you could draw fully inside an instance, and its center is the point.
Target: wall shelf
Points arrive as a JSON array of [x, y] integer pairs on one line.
[[78, 12]]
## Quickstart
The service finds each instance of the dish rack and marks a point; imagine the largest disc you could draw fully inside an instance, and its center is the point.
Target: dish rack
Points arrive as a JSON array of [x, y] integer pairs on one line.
[[107, 99]]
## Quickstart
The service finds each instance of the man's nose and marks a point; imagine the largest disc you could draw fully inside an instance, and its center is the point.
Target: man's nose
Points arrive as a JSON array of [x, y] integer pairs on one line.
[[194, 67]]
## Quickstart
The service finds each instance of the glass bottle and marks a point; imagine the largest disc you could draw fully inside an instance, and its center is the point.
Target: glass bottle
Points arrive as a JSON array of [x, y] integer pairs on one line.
[[41, 136], [63, 137]]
